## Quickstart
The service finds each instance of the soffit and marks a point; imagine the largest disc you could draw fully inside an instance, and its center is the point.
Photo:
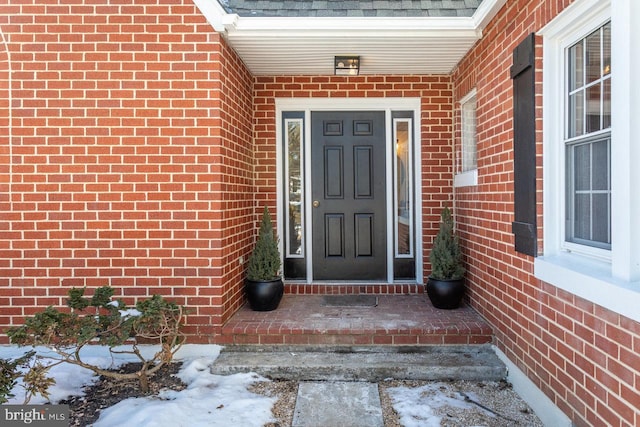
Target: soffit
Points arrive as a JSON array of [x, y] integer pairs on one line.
[[306, 45]]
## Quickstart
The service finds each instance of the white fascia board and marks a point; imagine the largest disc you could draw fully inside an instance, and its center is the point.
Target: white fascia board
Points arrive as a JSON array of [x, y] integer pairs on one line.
[[314, 27], [487, 10], [213, 12], [343, 23]]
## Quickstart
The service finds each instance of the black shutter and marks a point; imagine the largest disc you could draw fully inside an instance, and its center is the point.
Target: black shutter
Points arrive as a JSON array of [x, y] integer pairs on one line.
[[524, 146]]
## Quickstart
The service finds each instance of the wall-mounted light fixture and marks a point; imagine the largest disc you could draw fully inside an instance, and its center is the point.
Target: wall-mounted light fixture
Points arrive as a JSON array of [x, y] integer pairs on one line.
[[347, 65]]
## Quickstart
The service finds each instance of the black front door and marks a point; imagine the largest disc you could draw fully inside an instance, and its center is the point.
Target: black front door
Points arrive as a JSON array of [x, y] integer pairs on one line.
[[348, 195]]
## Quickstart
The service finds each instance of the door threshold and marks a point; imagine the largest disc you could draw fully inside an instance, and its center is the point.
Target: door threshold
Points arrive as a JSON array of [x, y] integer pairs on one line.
[[350, 282], [351, 287]]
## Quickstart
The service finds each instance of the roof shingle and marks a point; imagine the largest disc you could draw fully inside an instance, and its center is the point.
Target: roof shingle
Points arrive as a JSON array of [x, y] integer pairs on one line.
[[351, 8]]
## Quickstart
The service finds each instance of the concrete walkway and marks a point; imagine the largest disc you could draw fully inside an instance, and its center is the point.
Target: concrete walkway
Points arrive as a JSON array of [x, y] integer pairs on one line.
[[338, 404]]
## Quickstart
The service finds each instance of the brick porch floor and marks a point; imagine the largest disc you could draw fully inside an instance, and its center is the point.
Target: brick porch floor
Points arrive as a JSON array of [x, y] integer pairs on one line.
[[396, 320]]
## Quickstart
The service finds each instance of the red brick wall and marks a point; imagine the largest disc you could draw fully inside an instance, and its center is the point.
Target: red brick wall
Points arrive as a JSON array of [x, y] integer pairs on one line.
[[582, 356], [436, 127], [129, 159]]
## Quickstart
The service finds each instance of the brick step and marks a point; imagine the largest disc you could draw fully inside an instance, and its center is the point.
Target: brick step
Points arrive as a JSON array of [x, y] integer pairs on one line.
[[394, 320]]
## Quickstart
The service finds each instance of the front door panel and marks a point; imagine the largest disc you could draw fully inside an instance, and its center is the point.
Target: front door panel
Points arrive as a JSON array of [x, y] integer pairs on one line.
[[348, 193]]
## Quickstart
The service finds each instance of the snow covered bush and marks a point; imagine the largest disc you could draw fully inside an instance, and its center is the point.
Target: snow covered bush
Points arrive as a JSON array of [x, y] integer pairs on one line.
[[104, 321], [30, 371]]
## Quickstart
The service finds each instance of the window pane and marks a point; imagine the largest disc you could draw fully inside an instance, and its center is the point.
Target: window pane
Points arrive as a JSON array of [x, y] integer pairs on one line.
[[600, 162], [593, 108], [582, 167], [403, 196], [582, 220], [589, 194], [601, 209], [589, 85], [606, 104], [576, 66], [295, 227], [606, 49], [469, 138], [593, 54], [576, 114]]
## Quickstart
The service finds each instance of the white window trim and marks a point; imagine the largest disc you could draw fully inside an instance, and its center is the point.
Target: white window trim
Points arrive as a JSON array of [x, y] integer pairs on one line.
[[470, 177], [613, 284]]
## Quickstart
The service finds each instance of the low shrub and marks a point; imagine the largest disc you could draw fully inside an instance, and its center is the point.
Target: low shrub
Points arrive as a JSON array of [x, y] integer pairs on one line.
[[104, 321]]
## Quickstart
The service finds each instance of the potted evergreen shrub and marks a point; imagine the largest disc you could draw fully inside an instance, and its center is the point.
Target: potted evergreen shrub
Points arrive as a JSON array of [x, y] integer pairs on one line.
[[264, 285], [445, 285]]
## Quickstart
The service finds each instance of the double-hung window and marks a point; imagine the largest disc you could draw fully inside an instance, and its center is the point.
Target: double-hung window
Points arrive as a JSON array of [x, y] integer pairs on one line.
[[588, 141]]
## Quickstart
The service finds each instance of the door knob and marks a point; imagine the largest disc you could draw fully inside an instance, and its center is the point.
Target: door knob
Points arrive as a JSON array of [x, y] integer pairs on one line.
[[316, 203]]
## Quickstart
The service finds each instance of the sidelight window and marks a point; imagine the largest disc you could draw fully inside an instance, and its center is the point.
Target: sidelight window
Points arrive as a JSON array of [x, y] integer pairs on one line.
[[403, 189], [294, 193]]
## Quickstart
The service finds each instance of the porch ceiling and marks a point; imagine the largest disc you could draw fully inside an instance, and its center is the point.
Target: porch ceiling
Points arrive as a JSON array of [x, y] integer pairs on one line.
[[386, 45]]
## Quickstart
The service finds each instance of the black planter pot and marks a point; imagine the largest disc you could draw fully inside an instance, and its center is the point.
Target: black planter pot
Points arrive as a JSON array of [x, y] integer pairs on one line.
[[446, 294], [264, 295]]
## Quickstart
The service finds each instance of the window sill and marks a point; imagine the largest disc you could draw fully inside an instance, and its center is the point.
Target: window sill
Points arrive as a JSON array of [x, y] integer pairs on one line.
[[466, 179], [592, 280]]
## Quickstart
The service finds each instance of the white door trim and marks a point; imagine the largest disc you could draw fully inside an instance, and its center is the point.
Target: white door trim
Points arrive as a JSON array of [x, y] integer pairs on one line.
[[388, 105]]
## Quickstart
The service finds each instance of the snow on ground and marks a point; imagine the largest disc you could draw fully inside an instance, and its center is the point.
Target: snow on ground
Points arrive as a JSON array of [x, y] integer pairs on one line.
[[208, 400], [416, 407]]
